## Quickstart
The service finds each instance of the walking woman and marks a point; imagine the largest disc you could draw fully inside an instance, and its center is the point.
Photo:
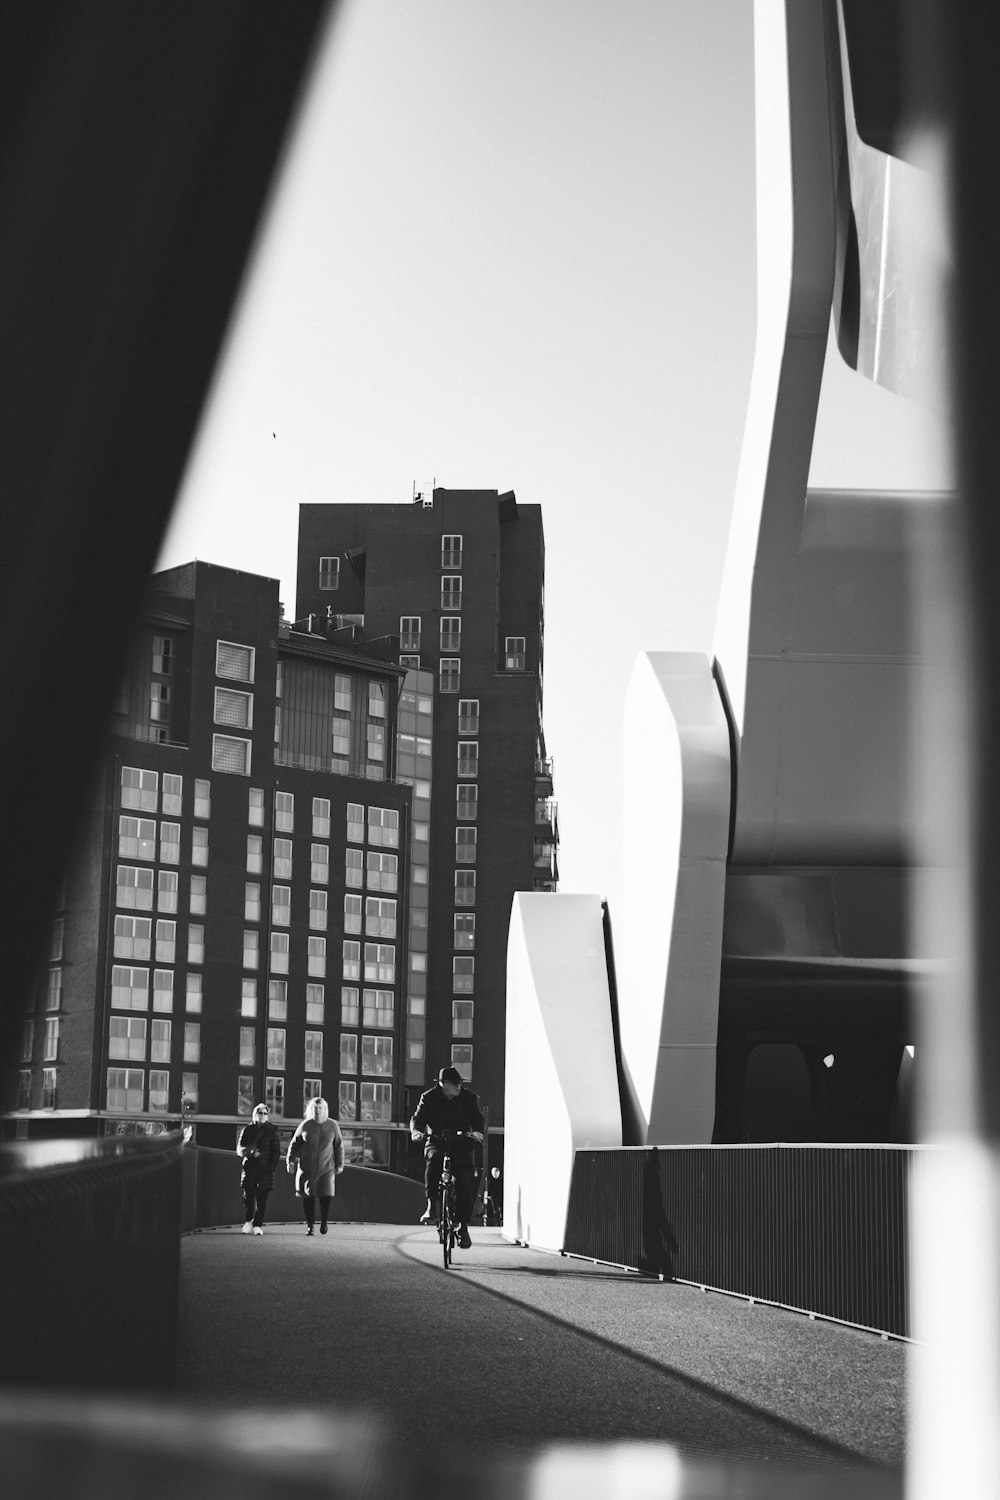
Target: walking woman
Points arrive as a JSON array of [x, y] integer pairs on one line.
[[316, 1152], [260, 1151]]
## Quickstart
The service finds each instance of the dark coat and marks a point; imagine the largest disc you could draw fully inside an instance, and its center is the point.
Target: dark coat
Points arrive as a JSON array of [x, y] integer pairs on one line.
[[436, 1112], [317, 1152], [259, 1169]]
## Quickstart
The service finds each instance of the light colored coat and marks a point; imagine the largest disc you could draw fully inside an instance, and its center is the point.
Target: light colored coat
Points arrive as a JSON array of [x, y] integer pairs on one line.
[[317, 1152]]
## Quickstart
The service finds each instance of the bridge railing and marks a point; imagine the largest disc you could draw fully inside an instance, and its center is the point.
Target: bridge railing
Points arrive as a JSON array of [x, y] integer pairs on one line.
[[90, 1261], [821, 1229]]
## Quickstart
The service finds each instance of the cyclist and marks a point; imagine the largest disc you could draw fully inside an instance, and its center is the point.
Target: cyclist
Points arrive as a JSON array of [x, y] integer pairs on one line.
[[449, 1105]]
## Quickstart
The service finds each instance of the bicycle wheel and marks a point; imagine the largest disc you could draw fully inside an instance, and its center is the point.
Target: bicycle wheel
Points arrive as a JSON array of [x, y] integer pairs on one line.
[[445, 1228]]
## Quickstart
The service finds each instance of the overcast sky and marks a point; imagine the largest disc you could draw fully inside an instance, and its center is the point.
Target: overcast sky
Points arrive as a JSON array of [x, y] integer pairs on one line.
[[513, 248]]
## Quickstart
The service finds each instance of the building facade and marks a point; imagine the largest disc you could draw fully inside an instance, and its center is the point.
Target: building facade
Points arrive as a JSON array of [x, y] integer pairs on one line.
[[458, 575], [234, 926]]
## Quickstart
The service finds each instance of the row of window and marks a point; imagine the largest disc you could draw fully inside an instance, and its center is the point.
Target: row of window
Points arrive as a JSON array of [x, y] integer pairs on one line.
[[50, 1049], [128, 1037], [450, 667], [140, 790]]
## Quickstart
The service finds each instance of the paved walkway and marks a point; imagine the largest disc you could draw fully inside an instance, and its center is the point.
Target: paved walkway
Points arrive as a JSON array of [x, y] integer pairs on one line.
[[522, 1349]]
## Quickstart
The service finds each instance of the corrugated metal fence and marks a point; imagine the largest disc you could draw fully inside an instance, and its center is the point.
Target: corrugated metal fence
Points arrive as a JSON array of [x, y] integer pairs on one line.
[[817, 1228]]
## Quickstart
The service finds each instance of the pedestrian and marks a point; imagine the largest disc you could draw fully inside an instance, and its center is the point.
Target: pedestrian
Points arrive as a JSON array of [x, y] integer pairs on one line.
[[316, 1155], [260, 1151]]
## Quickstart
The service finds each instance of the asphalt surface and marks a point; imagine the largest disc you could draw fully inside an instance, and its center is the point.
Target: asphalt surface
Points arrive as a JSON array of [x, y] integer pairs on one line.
[[514, 1349]]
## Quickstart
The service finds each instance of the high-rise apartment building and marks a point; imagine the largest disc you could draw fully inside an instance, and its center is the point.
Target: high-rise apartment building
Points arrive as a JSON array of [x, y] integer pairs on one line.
[[234, 926], [458, 575]]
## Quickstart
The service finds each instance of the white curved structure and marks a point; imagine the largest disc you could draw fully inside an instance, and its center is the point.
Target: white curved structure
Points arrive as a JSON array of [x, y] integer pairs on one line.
[[562, 1081], [669, 935]]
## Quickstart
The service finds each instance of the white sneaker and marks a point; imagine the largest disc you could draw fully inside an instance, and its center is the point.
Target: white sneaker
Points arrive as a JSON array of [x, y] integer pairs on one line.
[[247, 1227], [258, 1230]]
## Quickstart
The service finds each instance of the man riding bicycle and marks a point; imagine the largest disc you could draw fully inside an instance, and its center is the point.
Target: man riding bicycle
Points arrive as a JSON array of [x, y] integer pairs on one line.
[[449, 1106]]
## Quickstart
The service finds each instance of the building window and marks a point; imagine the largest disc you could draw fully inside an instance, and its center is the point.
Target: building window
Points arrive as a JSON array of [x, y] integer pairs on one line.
[[465, 930], [233, 708], [196, 943], [281, 905], [463, 976], [282, 863], [255, 814], [352, 960], [356, 822], [159, 1092], [377, 1008], [465, 887], [127, 1038], [315, 1004], [347, 1108], [376, 1101], [461, 1017], [24, 1089], [318, 916], [163, 989], [451, 633], [198, 895], [467, 800], [449, 674], [57, 937], [275, 1047], [350, 1006], [193, 994], [159, 706], [203, 798], [376, 1055], [284, 812], [173, 789], [49, 1099], [274, 1096], [255, 854], [139, 788], [192, 1042], [51, 1043], [376, 700], [319, 864], [375, 749], [244, 1094], [279, 952], [329, 573], [199, 846], [137, 838], [159, 1041], [381, 871], [383, 827], [461, 1058], [353, 867], [348, 1054], [451, 592], [314, 1052], [251, 948], [465, 846], [230, 754], [513, 653], [170, 843], [409, 632], [312, 1088], [133, 936], [316, 957], [380, 963], [277, 1000], [468, 758], [342, 692], [125, 1088], [451, 550], [380, 917], [409, 659], [53, 991], [468, 715], [234, 662], [321, 817], [166, 890], [134, 889], [163, 655], [129, 988], [166, 942]]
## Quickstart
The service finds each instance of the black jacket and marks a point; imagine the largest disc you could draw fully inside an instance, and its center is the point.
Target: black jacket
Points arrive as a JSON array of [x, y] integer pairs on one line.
[[437, 1112], [263, 1138]]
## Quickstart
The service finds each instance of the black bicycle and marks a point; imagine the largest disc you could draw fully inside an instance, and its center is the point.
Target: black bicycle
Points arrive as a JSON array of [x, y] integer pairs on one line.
[[448, 1224]]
